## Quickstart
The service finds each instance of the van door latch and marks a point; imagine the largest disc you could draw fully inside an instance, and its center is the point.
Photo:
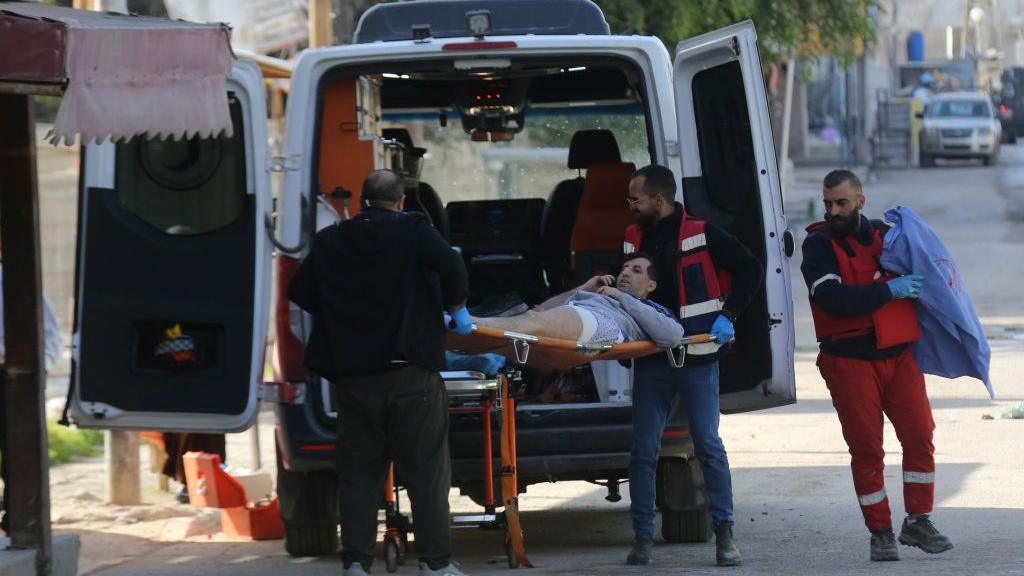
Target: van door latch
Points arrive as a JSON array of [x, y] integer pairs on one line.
[[276, 164]]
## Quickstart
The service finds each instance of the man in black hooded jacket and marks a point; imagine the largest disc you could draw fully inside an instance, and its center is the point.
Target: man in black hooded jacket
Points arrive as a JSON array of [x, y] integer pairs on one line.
[[376, 286]]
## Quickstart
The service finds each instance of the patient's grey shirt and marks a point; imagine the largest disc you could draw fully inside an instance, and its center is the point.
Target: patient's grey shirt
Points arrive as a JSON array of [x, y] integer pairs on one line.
[[636, 319]]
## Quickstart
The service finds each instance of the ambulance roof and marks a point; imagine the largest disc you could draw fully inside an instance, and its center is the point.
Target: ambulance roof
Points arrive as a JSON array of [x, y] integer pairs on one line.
[[447, 18]]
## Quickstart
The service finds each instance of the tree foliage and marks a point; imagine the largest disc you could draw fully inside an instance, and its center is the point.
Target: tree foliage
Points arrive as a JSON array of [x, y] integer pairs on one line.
[[803, 27]]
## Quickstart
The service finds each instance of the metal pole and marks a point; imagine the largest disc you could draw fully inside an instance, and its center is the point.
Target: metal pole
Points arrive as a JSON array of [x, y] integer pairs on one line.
[[27, 467], [787, 122]]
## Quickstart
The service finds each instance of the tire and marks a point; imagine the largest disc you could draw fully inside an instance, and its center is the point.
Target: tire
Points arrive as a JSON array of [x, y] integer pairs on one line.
[[392, 558], [309, 510], [302, 540], [682, 499], [987, 160], [691, 526], [926, 161]]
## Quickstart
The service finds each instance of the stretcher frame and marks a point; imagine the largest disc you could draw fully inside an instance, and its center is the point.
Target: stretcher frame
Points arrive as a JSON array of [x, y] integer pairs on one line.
[[517, 346]]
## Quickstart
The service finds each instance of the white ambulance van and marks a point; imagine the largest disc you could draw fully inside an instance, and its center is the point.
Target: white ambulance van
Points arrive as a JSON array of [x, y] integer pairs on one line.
[[517, 124]]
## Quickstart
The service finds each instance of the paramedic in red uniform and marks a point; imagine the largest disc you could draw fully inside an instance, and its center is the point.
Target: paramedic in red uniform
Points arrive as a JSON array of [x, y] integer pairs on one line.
[[691, 258], [865, 321]]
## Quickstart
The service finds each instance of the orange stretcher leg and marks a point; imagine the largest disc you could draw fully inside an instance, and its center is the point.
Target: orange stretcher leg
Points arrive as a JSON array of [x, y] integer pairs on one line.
[[510, 480]]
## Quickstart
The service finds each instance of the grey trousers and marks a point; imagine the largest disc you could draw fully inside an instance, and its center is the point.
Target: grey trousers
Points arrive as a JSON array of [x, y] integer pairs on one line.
[[401, 416]]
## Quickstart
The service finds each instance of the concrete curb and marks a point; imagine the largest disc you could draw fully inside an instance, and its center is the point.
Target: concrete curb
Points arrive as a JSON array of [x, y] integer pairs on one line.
[[23, 562]]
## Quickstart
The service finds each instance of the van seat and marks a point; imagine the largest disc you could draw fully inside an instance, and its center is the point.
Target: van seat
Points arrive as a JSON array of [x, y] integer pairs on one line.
[[601, 220], [587, 147], [500, 243]]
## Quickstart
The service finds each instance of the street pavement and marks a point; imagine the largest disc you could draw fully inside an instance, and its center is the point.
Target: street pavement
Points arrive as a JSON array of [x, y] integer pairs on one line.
[[795, 507]]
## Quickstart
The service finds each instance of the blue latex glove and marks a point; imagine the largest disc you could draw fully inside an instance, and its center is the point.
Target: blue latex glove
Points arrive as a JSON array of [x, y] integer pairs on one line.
[[486, 363], [908, 286], [460, 323], [723, 330]]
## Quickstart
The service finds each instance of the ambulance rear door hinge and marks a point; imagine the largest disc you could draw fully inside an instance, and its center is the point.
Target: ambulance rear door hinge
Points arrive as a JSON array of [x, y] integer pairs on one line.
[[283, 163]]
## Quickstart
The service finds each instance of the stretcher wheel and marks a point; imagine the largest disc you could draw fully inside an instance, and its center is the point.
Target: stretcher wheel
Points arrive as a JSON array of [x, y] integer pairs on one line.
[[510, 555], [392, 556]]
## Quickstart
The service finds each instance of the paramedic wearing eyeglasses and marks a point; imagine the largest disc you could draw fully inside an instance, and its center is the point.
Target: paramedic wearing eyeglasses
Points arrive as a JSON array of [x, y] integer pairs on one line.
[[865, 320], [376, 286], [699, 254]]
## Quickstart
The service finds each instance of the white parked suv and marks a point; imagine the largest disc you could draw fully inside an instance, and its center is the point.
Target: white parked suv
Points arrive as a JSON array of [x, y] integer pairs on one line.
[[959, 125]]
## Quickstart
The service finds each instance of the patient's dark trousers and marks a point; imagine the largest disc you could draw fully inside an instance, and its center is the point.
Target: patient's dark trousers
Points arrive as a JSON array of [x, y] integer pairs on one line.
[[398, 415]]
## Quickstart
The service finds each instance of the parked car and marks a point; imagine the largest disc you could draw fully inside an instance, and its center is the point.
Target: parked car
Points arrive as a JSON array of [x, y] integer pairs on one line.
[[959, 125], [176, 236]]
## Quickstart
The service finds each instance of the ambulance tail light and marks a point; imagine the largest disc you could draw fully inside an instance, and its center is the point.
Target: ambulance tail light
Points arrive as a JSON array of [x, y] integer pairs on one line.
[[289, 349]]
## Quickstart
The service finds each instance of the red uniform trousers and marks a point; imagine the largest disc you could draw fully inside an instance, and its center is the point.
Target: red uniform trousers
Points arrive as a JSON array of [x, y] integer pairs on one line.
[[861, 391]]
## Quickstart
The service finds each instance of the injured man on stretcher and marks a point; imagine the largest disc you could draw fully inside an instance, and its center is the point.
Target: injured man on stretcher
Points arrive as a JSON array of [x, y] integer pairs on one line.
[[604, 310]]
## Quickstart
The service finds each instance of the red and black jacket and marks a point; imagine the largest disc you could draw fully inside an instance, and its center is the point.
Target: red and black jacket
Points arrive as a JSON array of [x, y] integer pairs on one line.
[[698, 288], [853, 310]]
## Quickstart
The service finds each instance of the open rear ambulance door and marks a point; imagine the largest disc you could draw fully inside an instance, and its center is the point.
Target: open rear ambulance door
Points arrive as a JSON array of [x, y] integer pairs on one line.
[[730, 177], [173, 276]]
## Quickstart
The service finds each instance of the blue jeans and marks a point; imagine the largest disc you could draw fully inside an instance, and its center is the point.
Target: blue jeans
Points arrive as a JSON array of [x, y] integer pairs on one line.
[[654, 385]]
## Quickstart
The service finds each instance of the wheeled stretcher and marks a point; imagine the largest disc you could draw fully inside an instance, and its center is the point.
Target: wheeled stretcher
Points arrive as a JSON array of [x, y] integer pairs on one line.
[[471, 392]]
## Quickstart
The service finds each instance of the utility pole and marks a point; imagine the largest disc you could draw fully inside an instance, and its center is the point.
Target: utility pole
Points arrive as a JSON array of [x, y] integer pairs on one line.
[[320, 30], [967, 23]]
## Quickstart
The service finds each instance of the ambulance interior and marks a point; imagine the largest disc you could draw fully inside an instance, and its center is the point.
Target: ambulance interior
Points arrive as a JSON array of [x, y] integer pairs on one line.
[[522, 164]]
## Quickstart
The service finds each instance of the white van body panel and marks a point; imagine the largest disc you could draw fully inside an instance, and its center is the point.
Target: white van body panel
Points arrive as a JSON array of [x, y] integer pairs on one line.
[[99, 170], [647, 52], [739, 43]]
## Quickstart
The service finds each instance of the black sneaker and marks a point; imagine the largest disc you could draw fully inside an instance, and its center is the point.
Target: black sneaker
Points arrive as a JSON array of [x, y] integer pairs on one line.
[[182, 495], [883, 546], [921, 533], [726, 552], [641, 554]]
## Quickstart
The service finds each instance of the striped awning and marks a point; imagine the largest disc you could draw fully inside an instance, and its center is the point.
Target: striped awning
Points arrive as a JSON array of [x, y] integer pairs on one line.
[[120, 75]]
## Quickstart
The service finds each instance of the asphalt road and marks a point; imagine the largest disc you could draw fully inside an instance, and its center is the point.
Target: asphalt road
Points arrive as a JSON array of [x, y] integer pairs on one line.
[[795, 506]]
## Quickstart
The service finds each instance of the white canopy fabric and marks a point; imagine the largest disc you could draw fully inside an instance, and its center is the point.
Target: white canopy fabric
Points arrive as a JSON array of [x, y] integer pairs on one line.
[[127, 75]]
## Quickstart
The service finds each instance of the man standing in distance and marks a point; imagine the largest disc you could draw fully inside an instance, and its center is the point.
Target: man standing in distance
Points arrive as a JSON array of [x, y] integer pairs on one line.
[[865, 321], [692, 258], [376, 286]]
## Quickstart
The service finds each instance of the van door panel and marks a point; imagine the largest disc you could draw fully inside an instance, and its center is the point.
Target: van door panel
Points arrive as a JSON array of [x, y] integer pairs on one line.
[[730, 178], [172, 277]]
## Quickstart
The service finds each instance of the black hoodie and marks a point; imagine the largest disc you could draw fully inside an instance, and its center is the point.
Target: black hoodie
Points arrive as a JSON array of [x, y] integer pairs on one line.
[[376, 286]]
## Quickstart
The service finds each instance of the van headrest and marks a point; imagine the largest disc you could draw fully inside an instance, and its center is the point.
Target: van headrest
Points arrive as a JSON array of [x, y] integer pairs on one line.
[[593, 147], [403, 138]]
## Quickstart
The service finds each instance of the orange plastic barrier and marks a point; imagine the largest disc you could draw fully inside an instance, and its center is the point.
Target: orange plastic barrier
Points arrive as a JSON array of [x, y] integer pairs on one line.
[[210, 486]]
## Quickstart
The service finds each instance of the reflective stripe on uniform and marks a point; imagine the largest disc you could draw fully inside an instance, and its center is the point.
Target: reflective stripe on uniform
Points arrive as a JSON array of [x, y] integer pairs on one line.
[[628, 248], [825, 278], [918, 477], [873, 498], [699, 309], [693, 242]]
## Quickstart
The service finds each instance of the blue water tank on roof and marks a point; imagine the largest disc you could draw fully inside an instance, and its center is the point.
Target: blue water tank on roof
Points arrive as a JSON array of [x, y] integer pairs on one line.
[[915, 46]]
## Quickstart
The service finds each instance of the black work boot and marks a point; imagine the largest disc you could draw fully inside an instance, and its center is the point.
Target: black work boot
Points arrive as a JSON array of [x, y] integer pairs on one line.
[[726, 552], [920, 532], [641, 553], [883, 546]]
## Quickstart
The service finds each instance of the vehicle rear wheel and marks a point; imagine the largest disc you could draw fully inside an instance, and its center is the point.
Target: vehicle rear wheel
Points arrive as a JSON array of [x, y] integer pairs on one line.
[[309, 510], [988, 160], [682, 499], [688, 526], [927, 160]]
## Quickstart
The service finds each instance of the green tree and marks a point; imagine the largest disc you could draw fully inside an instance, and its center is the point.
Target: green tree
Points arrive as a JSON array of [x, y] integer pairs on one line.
[[803, 27]]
